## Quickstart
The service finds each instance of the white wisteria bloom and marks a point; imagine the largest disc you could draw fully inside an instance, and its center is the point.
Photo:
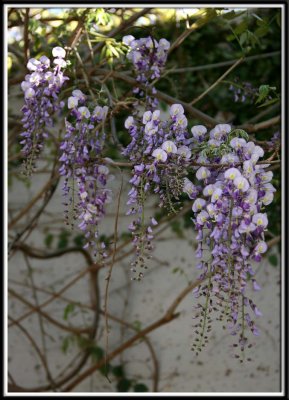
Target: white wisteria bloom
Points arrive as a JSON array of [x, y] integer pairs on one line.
[[246, 228], [127, 39], [136, 56], [268, 187], [151, 128], [102, 169], [219, 131], [203, 173], [156, 115], [164, 43], [50, 77], [92, 208], [33, 64], [214, 143], [188, 187], [198, 131], [84, 112], [129, 122], [160, 155], [78, 93], [72, 102], [83, 195], [261, 247], [208, 190], [97, 112], [25, 85], [87, 216], [60, 62], [232, 173], [29, 93], [35, 78], [266, 176], [185, 152], [238, 143], [198, 204], [216, 195], [169, 147], [256, 154], [44, 60], [241, 183], [211, 210], [147, 116], [202, 217], [58, 52], [252, 196], [260, 219], [267, 198], [176, 109], [229, 158], [248, 168]]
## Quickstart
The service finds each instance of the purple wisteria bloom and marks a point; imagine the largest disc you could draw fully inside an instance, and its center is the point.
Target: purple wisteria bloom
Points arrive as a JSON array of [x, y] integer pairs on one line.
[[85, 175], [41, 90]]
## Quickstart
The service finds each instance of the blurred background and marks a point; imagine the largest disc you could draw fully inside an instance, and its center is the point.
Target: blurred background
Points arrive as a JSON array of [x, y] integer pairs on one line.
[[56, 324]]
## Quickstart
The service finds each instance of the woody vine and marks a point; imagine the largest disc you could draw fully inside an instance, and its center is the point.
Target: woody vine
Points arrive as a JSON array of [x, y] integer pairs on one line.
[[217, 167]]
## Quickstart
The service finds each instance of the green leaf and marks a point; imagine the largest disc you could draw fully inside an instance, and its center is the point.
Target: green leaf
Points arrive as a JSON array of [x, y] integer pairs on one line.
[[229, 15], [96, 353], [113, 50], [273, 260], [177, 228], [262, 31], [118, 371], [263, 93], [66, 342], [241, 27], [137, 325], [123, 385], [140, 387], [278, 19], [79, 240], [48, 240], [269, 102], [243, 38], [68, 310], [63, 239], [104, 370]]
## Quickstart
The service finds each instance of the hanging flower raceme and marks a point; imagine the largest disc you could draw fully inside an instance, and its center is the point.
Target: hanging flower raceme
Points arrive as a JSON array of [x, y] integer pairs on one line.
[[231, 223], [160, 152], [82, 167], [148, 57], [41, 93]]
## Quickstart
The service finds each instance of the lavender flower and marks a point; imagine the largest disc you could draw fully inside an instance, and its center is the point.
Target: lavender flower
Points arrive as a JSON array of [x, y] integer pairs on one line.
[[230, 226], [41, 90], [85, 175]]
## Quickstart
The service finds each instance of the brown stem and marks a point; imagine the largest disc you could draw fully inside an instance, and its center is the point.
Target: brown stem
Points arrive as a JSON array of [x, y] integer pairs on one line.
[[217, 81], [26, 36], [261, 125]]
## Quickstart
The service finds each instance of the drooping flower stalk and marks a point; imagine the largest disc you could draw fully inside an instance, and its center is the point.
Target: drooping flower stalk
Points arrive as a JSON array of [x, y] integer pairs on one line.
[[82, 167], [231, 226], [41, 93]]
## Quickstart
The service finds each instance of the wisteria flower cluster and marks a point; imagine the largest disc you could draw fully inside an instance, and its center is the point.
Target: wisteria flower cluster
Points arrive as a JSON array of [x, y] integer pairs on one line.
[[85, 174], [148, 57], [41, 93], [231, 223], [243, 91], [229, 191], [160, 153]]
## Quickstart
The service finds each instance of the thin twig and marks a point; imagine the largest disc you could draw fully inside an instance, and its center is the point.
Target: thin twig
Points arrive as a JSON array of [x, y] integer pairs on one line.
[[110, 271], [217, 82], [222, 64], [26, 36]]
